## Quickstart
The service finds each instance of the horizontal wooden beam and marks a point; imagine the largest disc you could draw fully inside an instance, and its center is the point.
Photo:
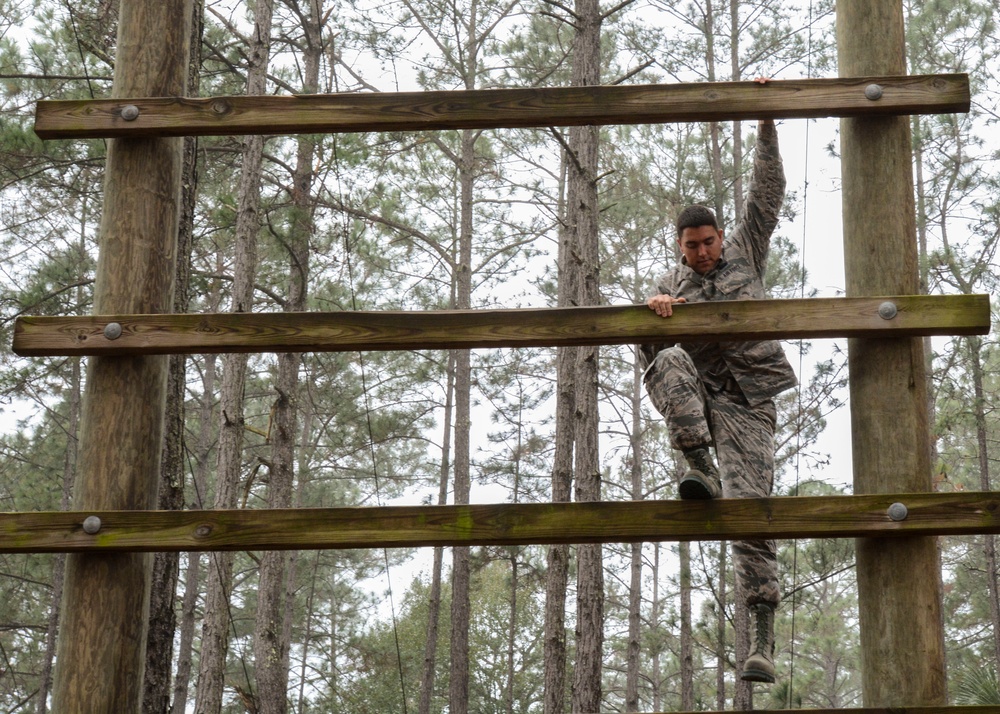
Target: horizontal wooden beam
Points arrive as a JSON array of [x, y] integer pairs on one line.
[[501, 108], [982, 709], [505, 524], [345, 331]]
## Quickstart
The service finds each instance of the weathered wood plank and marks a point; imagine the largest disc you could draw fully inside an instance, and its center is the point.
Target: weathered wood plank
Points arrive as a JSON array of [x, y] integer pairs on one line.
[[499, 108], [983, 709], [502, 524], [343, 331]]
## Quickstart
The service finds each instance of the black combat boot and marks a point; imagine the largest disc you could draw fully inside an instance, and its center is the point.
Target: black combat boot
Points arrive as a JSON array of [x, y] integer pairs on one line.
[[759, 666], [701, 482]]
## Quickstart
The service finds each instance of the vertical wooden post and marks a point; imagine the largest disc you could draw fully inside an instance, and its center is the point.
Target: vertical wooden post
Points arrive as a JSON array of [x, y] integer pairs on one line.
[[100, 655], [902, 641]]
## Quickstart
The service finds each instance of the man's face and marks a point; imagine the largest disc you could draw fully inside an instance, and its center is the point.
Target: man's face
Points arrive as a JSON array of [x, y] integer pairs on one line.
[[701, 247]]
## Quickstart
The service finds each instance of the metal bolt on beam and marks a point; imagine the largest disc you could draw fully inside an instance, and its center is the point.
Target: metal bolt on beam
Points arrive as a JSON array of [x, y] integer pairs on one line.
[[887, 310], [91, 525], [873, 92], [130, 112], [898, 512], [113, 330]]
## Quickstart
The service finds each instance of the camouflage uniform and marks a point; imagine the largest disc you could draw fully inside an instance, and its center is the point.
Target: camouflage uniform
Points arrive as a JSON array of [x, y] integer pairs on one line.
[[722, 392]]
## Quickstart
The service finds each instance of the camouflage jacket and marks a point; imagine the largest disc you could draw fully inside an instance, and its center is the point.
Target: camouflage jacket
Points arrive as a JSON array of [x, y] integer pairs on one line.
[[760, 369]]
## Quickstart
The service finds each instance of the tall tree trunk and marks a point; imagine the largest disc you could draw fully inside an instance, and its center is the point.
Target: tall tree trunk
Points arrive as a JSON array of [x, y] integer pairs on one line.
[[305, 457], [271, 646], [514, 550], [632, 659], [334, 670], [654, 623], [734, 66], [69, 475], [974, 349], [202, 450], [687, 638], [434, 598], [166, 566], [511, 633], [458, 695], [743, 691], [721, 663], [714, 130], [215, 627], [307, 635], [59, 562], [458, 691], [923, 276], [632, 663], [557, 556], [583, 212], [185, 643]]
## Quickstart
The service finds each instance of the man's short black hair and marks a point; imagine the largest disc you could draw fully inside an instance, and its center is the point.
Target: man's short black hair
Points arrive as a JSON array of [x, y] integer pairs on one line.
[[695, 217]]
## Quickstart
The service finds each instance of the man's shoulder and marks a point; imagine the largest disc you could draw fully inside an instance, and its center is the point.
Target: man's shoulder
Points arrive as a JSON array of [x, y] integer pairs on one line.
[[670, 278], [678, 271]]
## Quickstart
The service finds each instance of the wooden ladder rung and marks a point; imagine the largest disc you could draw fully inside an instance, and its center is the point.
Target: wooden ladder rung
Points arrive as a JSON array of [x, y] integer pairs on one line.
[[501, 108], [460, 329], [942, 709], [504, 524]]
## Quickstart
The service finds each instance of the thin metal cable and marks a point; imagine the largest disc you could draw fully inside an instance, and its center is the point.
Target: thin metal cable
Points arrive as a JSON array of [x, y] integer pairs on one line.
[[368, 420], [79, 49]]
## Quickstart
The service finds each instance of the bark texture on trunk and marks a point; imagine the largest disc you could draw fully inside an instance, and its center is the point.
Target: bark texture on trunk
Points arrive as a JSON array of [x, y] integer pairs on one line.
[[458, 694], [721, 662], [59, 562], [434, 598], [215, 626], [274, 604], [898, 582], [633, 658], [656, 608], [583, 210], [100, 653], [166, 566], [192, 580], [687, 635], [974, 347], [557, 556]]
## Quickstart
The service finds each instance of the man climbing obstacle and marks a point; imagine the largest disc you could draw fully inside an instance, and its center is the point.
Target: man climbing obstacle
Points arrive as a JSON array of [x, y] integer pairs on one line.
[[721, 394]]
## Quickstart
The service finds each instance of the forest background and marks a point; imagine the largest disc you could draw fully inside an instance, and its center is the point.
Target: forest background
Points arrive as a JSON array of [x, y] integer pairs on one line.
[[476, 219]]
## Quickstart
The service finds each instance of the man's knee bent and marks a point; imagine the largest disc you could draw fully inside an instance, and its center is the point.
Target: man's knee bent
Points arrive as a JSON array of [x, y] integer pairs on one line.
[[674, 360]]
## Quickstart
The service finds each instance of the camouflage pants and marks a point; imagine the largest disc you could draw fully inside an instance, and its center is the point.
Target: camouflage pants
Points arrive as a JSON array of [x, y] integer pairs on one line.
[[743, 436]]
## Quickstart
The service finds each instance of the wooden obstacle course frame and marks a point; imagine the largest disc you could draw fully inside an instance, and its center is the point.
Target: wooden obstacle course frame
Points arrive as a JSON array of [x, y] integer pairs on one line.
[[879, 33]]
